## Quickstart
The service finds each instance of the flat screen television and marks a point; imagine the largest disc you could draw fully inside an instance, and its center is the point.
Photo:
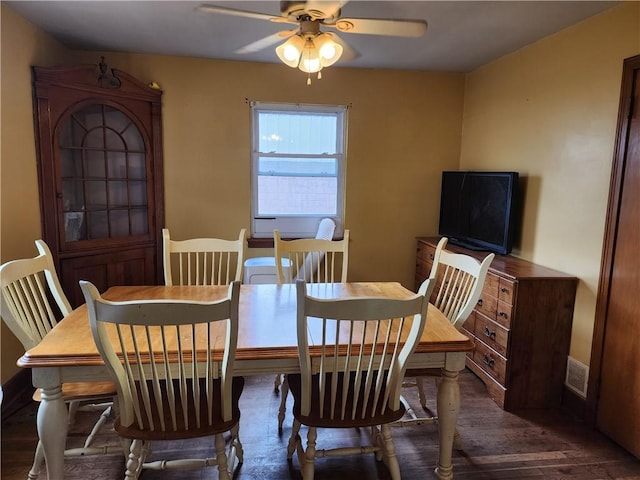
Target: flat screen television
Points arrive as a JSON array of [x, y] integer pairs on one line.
[[478, 209]]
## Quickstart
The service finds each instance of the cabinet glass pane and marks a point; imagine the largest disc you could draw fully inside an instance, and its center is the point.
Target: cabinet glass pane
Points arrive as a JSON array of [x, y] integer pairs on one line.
[[71, 161], [94, 139], [90, 117], [74, 226], [117, 164], [96, 194], [72, 195], [139, 224], [138, 193], [137, 165], [119, 222], [133, 138], [98, 226], [113, 140], [118, 196], [66, 134], [94, 164], [116, 119]]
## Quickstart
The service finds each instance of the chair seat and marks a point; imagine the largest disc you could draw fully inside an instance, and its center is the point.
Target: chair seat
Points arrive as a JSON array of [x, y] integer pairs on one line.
[[183, 431], [84, 391], [314, 419]]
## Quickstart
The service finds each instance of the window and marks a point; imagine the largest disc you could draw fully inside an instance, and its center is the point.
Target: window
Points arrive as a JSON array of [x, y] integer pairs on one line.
[[297, 168]]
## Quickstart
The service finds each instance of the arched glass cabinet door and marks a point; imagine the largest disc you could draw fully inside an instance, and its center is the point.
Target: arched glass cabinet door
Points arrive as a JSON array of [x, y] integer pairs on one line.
[[100, 157], [104, 176]]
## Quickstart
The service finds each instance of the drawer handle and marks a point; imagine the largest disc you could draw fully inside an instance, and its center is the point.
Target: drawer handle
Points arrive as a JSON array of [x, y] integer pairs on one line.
[[480, 302], [504, 290], [490, 333], [488, 360], [503, 314], [431, 256]]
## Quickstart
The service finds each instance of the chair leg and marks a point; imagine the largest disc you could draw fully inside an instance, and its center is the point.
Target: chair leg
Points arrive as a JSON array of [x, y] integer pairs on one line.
[[97, 426], [276, 383], [135, 460], [38, 460], [221, 458], [420, 387], [236, 444], [73, 408], [307, 463], [293, 439], [390, 458], [283, 403]]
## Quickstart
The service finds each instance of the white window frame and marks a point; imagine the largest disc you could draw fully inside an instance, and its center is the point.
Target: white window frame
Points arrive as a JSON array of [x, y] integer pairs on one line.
[[296, 226]]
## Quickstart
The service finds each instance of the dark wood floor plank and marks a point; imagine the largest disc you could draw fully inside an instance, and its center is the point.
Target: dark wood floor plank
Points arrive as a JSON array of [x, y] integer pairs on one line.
[[529, 445]]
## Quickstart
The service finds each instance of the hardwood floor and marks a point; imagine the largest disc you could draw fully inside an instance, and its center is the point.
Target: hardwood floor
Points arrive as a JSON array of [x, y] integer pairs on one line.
[[497, 445]]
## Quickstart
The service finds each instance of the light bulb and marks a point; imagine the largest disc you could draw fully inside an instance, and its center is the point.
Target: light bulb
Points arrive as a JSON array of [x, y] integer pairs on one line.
[[291, 53], [310, 65], [329, 50], [310, 58]]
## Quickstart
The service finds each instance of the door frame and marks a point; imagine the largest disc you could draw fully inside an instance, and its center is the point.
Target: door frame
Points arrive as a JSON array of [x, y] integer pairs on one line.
[[627, 92]]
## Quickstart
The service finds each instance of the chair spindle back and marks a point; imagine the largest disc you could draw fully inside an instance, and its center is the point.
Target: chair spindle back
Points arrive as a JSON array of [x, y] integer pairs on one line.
[[357, 357], [173, 360], [203, 261]]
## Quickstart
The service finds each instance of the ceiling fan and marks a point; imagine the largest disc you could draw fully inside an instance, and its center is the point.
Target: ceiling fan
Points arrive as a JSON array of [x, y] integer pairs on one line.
[[307, 47]]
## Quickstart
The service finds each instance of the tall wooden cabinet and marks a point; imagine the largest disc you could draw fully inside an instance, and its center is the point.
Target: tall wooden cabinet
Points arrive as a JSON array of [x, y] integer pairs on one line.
[[521, 327], [99, 149]]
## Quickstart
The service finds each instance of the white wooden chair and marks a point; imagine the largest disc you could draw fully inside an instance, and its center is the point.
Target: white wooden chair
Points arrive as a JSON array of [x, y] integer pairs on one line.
[[458, 281], [32, 303], [315, 260], [353, 355], [203, 261], [165, 395]]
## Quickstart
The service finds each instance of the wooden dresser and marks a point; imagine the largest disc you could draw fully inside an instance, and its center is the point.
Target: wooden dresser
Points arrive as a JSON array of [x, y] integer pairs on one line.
[[521, 327]]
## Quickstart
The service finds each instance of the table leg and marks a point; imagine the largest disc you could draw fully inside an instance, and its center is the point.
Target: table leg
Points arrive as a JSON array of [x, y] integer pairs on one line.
[[448, 408], [52, 423]]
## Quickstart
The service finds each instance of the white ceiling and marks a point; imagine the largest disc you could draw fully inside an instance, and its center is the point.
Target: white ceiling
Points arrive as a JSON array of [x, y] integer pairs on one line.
[[461, 35]]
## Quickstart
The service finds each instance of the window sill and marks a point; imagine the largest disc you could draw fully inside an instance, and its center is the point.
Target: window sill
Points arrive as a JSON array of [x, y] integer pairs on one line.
[[253, 242]]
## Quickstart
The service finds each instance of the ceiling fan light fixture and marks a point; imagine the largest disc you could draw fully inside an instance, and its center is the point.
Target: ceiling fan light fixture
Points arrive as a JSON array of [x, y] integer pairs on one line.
[[330, 51], [310, 61], [290, 51]]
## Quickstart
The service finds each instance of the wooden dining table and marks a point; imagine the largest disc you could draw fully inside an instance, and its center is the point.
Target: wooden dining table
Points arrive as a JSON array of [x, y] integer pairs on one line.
[[267, 344]]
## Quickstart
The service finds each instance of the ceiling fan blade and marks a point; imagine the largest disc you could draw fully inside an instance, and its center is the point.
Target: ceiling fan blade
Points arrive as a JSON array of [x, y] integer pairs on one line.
[[348, 52], [241, 13], [265, 42], [379, 26]]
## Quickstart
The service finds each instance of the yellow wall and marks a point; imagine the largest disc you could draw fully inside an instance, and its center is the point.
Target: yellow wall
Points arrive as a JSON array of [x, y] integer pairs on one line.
[[404, 129], [23, 45], [549, 111]]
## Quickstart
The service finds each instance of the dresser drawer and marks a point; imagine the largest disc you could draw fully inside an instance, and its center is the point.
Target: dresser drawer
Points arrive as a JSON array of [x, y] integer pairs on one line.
[[491, 333], [491, 362], [504, 314], [470, 323], [425, 252], [507, 291], [422, 269], [487, 305], [491, 285]]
